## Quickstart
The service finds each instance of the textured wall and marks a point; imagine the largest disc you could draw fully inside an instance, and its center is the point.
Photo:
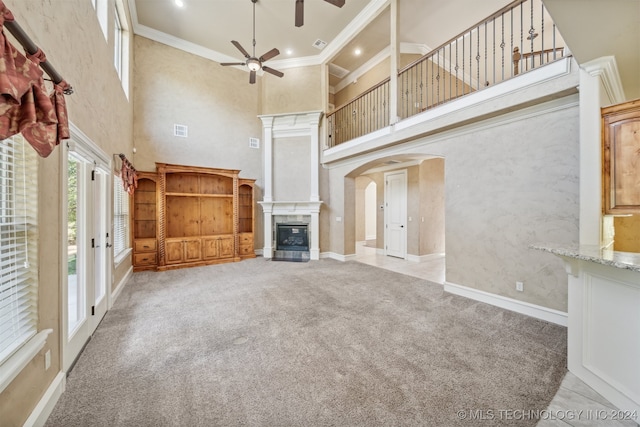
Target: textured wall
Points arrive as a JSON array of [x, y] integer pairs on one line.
[[291, 165], [509, 182], [299, 90], [69, 34], [217, 103], [432, 209]]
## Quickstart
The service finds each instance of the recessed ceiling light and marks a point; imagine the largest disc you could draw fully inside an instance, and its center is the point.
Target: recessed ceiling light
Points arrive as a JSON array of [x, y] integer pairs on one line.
[[289, 51], [179, 3], [358, 51]]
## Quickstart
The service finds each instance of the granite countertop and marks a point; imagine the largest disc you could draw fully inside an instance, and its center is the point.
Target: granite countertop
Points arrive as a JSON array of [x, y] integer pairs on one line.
[[623, 260]]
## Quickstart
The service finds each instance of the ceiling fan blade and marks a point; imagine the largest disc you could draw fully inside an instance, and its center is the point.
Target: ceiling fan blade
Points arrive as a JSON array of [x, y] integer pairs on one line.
[[272, 71], [241, 49], [226, 64], [338, 3], [299, 13], [273, 52], [252, 77]]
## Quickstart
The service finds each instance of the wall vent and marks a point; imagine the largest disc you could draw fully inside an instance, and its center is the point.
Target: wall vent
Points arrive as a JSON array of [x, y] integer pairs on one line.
[[319, 44], [180, 130], [254, 143]]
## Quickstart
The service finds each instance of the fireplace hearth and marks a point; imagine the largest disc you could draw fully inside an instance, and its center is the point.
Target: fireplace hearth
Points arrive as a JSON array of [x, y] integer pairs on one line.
[[292, 242]]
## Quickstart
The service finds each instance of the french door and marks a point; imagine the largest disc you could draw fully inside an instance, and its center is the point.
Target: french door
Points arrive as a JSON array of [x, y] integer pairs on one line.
[[86, 255], [395, 213]]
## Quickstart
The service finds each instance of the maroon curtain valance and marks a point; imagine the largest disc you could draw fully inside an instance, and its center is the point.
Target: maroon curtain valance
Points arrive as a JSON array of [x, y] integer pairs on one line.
[[128, 174], [25, 105]]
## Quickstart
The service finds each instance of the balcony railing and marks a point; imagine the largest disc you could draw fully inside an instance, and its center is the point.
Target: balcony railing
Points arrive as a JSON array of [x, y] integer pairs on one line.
[[516, 39]]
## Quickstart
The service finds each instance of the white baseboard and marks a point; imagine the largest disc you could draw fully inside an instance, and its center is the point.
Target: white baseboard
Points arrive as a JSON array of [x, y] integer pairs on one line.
[[373, 237], [115, 294], [45, 406], [259, 252], [423, 258], [336, 256], [533, 310]]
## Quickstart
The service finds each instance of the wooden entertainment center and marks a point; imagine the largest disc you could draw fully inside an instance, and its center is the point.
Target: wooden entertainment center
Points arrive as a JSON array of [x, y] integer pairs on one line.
[[185, 216]]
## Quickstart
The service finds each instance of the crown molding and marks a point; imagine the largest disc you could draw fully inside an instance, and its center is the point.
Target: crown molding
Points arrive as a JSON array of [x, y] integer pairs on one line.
[[373, 9], [606, 68]]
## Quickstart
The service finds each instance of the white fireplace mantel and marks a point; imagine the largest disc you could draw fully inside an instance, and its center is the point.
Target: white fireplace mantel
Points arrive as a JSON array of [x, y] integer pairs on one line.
[[298, 208], [304, 124]]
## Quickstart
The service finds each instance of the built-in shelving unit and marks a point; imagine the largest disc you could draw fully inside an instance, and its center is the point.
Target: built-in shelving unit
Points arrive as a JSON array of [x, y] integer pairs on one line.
[[202, 216]]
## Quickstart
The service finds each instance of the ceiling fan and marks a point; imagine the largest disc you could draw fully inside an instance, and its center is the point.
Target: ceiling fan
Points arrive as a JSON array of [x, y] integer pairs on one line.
[[300, 9], [252, 62]]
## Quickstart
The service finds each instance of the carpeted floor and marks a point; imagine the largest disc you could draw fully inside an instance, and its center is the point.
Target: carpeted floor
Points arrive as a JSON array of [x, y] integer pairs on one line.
[[324, 343]]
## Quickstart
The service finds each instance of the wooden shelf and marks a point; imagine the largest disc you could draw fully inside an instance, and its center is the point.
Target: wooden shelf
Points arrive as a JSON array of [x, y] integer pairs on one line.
[[205, 216], [144, 223]]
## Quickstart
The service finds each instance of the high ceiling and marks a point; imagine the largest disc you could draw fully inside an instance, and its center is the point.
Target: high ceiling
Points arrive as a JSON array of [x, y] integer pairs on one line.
[[206, 28]]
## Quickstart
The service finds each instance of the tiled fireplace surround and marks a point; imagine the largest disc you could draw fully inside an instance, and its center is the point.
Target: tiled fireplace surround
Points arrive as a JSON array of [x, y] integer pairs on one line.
[[306, 211]]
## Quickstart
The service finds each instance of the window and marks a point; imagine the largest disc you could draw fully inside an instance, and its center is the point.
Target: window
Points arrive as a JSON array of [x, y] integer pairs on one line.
[[121, 46], [118, 42], [101, 11], [120, 218], [18, 246]]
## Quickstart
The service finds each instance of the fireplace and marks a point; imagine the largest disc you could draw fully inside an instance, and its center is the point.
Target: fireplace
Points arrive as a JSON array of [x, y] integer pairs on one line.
[[292, 237], [292, 242]]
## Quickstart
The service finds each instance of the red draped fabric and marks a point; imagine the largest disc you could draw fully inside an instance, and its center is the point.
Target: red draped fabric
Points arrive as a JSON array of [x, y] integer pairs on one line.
[[25, 105], [128, 175]]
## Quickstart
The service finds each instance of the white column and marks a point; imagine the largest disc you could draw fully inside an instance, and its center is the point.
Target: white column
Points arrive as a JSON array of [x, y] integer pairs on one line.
[[394, 67], [314, 250], [267, 209], [594, 75], [267, 125], [314, 124]]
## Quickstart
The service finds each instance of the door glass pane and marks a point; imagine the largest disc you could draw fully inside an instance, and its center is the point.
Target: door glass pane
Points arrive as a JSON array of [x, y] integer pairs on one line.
[[100, 231], [75, 290]]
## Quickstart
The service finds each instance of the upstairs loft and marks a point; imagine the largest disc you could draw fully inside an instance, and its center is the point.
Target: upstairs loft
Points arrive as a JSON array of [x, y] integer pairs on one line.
[[505, 56]]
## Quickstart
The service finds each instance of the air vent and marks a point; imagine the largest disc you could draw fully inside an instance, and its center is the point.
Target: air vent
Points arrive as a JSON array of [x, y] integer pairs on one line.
[[338, 71], [319, 44], [180, 130], [254, 143]]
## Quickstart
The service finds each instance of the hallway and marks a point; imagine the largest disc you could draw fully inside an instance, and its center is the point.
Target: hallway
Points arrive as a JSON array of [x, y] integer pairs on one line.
[[431, 270]]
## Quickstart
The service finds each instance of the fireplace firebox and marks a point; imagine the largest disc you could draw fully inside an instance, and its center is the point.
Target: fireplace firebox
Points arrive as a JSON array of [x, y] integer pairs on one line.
[[292, 242]]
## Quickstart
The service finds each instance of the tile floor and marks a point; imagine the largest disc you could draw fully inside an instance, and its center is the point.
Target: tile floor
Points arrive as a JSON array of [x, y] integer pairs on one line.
[[575, 403]]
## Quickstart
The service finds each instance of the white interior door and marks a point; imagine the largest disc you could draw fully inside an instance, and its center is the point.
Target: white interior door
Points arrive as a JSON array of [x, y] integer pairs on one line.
[[86, 254], [395, 213]]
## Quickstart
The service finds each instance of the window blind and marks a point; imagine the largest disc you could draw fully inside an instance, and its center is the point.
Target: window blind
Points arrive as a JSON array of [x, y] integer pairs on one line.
[[18, 245], [120, 217]]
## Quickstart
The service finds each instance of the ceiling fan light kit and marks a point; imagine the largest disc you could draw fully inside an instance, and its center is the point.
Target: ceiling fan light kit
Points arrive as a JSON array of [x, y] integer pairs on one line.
[[253, 63]]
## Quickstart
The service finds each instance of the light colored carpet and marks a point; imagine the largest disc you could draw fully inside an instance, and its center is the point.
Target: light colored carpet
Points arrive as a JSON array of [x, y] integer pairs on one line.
[[324, 343]]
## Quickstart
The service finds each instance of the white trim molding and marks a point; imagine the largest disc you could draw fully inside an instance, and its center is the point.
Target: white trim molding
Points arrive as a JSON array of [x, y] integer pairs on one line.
[[606, 68], [116, 293], [21, 358], [337, 256], [424, 258], [48, 401], [528, 309]]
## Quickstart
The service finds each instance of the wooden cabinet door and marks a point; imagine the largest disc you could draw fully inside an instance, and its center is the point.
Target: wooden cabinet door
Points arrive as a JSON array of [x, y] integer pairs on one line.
[[621, 157], [192, 250], [225, 245], [174, 251], [210, 248]]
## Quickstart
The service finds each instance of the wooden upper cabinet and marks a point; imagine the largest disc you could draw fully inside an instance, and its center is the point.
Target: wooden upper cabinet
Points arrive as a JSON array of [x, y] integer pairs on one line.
[[621, 158]]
